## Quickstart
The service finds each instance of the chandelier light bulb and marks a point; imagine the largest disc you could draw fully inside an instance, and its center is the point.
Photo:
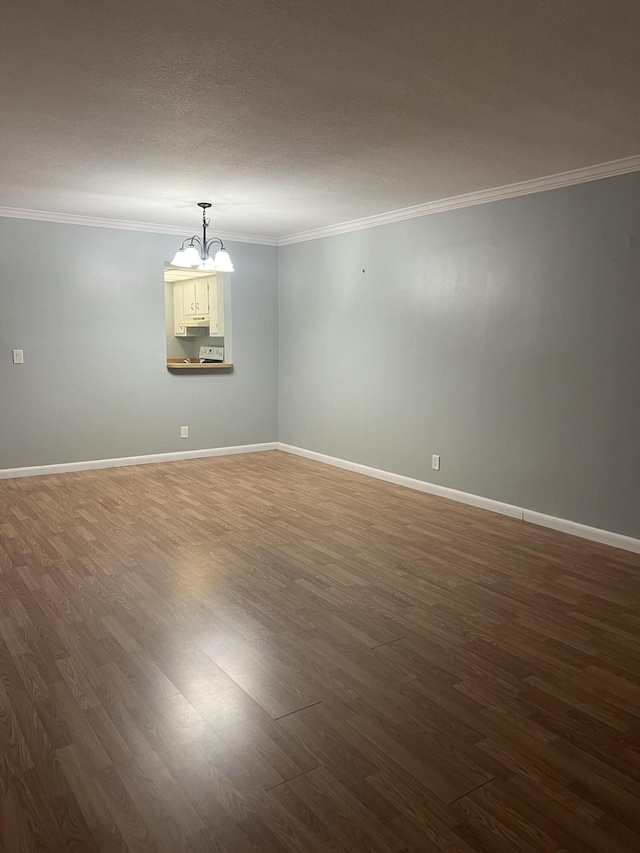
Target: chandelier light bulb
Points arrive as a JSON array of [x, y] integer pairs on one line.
[[191, 256], [207, 264], [179, 259], [222, 261]]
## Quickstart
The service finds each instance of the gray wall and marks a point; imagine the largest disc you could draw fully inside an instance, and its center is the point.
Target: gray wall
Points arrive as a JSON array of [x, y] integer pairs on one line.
[[505, 337], [87, 307]]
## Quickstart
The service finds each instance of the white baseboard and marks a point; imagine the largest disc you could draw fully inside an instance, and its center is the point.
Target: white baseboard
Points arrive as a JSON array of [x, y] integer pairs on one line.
[[409, 482], [64, 467], [606, 537], [595, 534]]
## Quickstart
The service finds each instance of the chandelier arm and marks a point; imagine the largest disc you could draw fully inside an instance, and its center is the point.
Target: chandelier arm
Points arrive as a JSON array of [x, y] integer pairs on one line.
[[192, 240], [211, 242]]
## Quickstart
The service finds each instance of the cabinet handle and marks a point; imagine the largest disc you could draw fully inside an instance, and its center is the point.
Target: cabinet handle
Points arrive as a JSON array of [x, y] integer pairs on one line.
[[192, 306], [197, 306]]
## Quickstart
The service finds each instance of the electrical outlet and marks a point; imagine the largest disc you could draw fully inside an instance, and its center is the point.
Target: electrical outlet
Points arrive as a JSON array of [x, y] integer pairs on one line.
[[184, 432], [435, 462], [18, 356]]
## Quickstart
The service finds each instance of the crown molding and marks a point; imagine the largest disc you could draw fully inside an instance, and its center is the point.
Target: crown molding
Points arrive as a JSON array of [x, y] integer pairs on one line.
[[537, 185], [126, 225]]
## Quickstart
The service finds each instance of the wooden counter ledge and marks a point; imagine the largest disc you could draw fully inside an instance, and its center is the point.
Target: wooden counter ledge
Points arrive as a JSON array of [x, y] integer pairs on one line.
[[180, 364]]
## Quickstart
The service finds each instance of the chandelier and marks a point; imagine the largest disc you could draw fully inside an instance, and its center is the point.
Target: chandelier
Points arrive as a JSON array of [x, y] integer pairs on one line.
[[196, 254]]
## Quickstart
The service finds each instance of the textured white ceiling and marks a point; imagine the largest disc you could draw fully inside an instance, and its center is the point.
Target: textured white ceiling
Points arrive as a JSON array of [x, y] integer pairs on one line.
[[296, 114]]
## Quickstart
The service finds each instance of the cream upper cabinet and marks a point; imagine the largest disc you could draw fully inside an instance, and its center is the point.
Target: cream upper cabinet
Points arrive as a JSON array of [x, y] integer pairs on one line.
[[195, 297], [202, 296], [180, 330], [188, 297], [216, 313], [197, 303]]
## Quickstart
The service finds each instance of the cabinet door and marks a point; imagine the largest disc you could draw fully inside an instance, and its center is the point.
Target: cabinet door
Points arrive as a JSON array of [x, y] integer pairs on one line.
[[214, 318], [189, 298], [178, 310], [202, 297]]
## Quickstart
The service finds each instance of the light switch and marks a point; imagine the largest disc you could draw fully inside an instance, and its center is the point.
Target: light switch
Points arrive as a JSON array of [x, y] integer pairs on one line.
[[18, 356]]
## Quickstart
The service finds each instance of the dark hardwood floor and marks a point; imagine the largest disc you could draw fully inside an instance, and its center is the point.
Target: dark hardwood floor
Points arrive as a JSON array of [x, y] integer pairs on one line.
[[262, 653]]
